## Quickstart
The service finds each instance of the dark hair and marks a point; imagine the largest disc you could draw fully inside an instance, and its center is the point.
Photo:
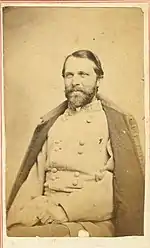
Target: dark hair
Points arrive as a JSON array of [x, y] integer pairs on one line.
[[89, 55]]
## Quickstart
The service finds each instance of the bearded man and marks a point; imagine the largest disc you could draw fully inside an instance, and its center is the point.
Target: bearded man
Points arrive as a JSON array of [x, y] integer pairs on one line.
[[83, 173]]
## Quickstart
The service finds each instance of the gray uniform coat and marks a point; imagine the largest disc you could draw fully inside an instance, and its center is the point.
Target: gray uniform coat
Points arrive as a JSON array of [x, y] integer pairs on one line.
[[128, 179]]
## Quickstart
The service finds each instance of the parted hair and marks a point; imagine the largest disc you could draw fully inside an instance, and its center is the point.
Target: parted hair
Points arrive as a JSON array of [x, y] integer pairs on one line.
[[89, 55]]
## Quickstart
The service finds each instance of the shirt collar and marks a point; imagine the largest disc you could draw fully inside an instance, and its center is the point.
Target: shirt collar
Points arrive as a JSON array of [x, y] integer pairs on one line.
[[94, 105]]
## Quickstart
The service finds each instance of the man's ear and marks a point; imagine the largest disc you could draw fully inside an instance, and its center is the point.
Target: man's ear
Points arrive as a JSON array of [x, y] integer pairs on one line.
[[98, 82]]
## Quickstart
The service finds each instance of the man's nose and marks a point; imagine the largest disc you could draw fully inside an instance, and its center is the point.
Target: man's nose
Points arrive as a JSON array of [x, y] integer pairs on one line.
[[76, 80]]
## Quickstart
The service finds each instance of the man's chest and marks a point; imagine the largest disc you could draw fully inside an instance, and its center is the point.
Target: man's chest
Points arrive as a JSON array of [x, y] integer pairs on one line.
[[79, 141]]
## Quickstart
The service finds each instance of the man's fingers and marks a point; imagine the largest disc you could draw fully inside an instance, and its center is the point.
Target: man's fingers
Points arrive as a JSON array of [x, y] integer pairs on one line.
[[45, 217], [49, 220], [46, 220]]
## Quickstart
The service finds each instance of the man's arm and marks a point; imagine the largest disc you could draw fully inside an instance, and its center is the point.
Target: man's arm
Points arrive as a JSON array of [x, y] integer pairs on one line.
[[31, 188]]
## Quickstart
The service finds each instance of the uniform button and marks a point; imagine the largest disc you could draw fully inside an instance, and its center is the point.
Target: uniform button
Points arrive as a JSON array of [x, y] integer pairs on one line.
[[81, 143], [54, 170], [75, 183], [53, 178], [88, 121], [57, 141], [80, 152], [76, 174]]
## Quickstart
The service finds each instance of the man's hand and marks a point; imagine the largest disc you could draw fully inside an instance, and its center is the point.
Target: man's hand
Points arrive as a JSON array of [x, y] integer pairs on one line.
[[29, 215], [41, 209], [54, 213]]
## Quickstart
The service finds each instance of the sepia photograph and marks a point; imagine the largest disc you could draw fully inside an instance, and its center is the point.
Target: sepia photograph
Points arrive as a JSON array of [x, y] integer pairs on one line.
[[74, 108]]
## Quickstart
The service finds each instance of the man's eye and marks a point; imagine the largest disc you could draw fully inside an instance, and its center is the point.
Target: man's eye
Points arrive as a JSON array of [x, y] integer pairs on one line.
[[83, 74], [69, 75]]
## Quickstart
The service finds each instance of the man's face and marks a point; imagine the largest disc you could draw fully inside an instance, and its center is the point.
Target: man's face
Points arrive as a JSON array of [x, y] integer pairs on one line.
[[80, 81]]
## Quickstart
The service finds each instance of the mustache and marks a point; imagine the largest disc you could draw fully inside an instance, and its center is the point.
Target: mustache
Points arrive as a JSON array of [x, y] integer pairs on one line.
[[74, 90]]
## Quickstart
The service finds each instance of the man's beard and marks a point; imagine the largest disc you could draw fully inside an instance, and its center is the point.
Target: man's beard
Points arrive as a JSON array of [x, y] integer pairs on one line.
[[79, 97]]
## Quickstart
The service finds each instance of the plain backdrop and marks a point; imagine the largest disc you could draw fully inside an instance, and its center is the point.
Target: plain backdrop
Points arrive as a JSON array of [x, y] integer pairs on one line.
[[36, 42]]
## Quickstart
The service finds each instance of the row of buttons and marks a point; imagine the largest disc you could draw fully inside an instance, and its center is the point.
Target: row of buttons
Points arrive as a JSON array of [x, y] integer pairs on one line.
[[75, 182], [54, 170], [59, 148], [80, 151], [81, 143], [76, 174]]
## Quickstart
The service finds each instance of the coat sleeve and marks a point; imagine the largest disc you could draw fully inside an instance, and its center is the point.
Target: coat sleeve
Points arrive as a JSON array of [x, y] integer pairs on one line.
[[129, 181], [31, 188]]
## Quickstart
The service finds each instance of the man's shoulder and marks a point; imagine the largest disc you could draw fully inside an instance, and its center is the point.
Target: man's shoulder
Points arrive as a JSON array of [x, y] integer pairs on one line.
[[110, 106], [55, 112], [107, 104]]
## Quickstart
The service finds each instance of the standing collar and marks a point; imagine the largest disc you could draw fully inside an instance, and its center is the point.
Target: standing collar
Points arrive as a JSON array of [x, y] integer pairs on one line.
[[94, 105]]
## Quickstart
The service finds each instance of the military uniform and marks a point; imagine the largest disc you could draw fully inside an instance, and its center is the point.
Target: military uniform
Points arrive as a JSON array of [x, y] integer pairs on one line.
[[78, 163], [79, 158]]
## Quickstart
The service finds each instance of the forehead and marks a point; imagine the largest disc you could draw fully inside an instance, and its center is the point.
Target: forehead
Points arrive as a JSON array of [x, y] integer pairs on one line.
[[79, 64]]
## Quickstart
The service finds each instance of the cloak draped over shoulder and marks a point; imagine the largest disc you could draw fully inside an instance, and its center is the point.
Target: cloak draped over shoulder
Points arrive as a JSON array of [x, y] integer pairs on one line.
[[128, 179]]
